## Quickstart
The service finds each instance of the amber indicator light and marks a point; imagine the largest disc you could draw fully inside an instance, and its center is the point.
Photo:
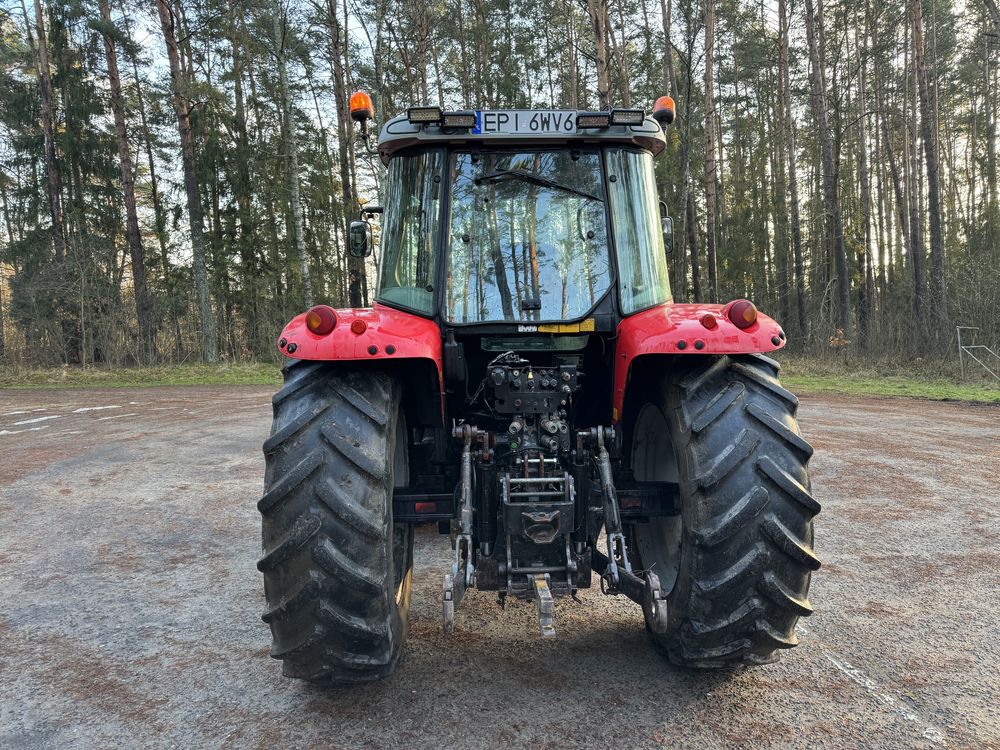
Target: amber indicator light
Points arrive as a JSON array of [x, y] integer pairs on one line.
[[362, 107]]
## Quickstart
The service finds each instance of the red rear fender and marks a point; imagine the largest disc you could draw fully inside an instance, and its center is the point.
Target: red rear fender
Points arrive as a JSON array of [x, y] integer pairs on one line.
[[387, 334], [678, 329]]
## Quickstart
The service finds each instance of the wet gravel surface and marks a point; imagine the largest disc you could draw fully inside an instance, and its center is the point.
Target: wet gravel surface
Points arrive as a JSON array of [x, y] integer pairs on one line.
[[130, 617]]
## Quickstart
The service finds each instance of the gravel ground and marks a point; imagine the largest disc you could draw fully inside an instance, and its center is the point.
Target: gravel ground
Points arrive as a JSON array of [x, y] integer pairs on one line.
[[129, 534]]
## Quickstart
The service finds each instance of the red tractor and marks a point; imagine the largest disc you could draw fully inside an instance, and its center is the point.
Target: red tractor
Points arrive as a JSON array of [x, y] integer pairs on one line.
[[525, 380]]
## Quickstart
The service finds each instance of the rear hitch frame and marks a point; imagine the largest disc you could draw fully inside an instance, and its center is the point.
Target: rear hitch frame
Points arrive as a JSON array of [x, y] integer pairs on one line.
[[645, 591]]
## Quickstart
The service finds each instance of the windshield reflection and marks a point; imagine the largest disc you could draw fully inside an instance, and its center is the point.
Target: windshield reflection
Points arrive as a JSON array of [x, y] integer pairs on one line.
[[528, 236]]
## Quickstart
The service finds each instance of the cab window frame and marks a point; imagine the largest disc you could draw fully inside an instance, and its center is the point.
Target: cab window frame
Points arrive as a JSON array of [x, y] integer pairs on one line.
[[435, 245]]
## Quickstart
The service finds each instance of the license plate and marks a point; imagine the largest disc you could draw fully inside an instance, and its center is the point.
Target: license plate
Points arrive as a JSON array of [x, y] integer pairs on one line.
[[527, 122]]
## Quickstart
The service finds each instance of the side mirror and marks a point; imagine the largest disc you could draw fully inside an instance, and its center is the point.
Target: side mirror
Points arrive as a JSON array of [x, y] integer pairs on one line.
[[359, 243], [667, 226]]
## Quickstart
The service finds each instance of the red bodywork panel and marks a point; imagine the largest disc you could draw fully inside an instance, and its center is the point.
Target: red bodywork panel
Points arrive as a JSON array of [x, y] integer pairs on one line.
[[389, 335], [661, 330]]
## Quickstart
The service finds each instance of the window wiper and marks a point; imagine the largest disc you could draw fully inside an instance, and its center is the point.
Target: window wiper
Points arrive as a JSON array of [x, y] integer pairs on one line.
[[503, 174]]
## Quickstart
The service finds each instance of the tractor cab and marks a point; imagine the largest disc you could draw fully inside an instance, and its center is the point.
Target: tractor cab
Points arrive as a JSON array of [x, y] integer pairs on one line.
[[521, 219], [528, 231], [525, 380]]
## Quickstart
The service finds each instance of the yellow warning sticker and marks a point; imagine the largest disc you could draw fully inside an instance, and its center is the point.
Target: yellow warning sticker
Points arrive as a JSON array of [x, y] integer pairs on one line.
[[584, 326]]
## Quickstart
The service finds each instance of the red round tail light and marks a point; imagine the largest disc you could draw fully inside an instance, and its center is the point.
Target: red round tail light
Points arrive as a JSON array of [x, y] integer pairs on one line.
[[321, 319], [708, 320], [742, 313], [358, 326]]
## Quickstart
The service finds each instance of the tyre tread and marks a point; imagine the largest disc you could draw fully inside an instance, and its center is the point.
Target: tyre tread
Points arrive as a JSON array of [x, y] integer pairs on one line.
[[328, 562], [744, 470], [723, 526]]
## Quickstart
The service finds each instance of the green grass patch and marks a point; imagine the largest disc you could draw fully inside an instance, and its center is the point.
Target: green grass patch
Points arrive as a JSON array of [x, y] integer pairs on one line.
[[256, 373], [891, 385], [937, 379]]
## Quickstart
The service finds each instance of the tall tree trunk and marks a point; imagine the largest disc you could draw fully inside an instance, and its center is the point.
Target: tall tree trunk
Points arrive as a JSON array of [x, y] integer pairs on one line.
[[883, 234], [793, 175], [273, 256], [362, 272], [620, 49], [691, 220], [710, 176], [54, 179], [210, 352], [3, 280], [669, 80], [463, 54], [912, 167], [598, 10], [159, 215], [687, 198], [292, 155], [3, 345], [831, 199], [865, 309], [573, 65], [355, 266], [994, 11], [776, 132], [8, 222], [897, 186], [244, 188], [143, 301], [990, 112], [929, 128]]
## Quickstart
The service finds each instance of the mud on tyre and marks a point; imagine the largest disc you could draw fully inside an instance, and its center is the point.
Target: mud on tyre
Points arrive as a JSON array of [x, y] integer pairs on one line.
[[337, 571]]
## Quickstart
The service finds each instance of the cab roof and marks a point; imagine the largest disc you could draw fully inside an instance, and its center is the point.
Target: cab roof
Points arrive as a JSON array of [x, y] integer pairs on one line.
[[522, 127]]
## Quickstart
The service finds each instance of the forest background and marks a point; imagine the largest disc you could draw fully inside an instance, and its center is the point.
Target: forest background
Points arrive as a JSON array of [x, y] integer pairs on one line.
[[177, 176]]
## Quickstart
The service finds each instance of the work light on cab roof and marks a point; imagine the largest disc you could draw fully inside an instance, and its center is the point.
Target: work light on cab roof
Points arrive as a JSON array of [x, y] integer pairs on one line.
[[525, 380]]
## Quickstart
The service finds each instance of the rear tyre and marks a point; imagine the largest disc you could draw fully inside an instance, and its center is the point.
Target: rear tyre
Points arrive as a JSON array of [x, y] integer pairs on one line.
[[737, 561], [337, 571]]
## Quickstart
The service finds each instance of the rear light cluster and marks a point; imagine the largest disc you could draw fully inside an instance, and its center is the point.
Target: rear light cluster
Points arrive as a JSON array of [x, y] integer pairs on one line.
[[741, 312], [321, 319]]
